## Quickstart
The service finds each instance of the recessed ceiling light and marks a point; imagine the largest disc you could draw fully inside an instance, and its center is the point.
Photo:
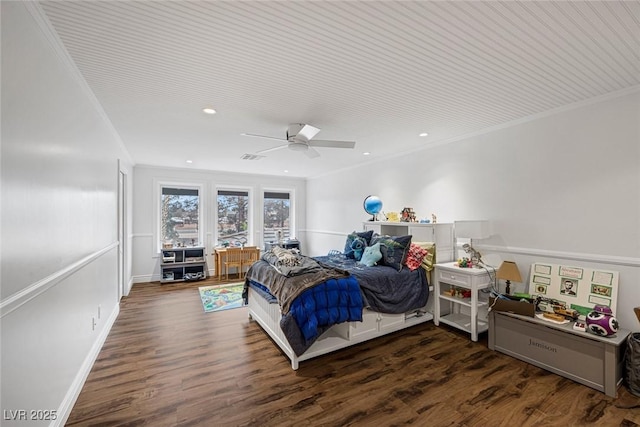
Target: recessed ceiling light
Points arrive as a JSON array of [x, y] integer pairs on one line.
[[424, 134], [208, 110], [366, 153], [189, 161], [285, 171]]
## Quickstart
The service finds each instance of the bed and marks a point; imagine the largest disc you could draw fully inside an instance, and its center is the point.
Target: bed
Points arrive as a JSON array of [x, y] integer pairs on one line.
[[313, 306]]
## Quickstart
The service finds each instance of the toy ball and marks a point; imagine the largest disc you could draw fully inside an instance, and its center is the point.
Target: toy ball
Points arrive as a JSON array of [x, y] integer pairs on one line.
[[602, 322]]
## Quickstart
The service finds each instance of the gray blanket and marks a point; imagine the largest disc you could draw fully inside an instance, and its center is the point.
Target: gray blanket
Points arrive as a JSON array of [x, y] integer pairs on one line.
[[384, 289], [298, 278]]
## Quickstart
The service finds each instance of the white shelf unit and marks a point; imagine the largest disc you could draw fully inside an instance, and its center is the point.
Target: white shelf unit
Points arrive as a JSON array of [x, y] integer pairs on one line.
[[449, 275], [440, 233], [177, 262]]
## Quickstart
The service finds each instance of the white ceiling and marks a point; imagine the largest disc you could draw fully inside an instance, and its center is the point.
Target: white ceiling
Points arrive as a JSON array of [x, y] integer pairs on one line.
[[376, 72]]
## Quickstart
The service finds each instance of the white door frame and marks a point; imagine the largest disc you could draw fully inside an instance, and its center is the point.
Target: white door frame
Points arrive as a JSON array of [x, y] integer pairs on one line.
[[122, 230]]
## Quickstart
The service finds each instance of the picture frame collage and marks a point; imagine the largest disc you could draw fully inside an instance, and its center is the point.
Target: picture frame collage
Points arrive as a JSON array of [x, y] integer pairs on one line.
[[579, 288]]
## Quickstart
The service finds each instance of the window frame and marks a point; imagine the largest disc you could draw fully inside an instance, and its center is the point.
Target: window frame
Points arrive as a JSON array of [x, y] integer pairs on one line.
[[250, 210], [292, 209], [160, 185]]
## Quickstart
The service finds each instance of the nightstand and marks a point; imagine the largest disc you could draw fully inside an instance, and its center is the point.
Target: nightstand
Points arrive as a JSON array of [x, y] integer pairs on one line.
[[449, 276]]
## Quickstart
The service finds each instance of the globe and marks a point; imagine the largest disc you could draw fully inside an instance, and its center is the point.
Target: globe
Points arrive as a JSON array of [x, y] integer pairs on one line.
[[372, 206]]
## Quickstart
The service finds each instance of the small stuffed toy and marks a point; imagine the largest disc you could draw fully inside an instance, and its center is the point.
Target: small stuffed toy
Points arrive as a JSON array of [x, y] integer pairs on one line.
[[358, 246]]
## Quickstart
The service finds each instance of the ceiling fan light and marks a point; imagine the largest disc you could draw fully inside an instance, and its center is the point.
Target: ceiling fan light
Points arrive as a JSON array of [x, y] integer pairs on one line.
[[298, 146]]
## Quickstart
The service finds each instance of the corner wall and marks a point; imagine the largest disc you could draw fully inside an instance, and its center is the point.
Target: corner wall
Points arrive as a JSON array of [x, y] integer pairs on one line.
[[561, 188], [59, 177]]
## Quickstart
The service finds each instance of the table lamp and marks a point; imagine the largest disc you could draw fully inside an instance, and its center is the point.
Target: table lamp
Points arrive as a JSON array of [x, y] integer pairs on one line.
[[472, 230], [508, 271]]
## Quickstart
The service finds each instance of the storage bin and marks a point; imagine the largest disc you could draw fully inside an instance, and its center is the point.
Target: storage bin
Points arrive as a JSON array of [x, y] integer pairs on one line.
[[632, 357]]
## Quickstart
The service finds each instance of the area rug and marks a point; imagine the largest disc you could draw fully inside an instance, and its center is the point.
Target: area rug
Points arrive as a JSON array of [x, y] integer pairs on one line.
[[218, 298]]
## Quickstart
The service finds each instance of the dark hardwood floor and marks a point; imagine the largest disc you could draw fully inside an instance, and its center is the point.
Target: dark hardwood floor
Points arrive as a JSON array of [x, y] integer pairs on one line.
[[167, 363]]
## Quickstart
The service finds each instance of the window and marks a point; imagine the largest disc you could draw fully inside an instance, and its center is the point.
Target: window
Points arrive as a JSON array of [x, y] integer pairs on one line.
[[276, 216], [179, 216], [233, 218]]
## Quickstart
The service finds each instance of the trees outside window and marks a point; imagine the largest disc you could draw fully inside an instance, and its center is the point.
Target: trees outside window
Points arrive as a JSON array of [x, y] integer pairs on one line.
[[179, 217], [276, 208], [233, 218]]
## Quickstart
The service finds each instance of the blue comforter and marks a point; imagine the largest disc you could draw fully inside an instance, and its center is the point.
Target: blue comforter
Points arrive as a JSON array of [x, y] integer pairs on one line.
[[331, 302], [342, 299], [317, 309]]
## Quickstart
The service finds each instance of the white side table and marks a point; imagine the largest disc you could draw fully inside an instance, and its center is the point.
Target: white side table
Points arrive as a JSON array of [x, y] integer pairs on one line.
[[449, 275]]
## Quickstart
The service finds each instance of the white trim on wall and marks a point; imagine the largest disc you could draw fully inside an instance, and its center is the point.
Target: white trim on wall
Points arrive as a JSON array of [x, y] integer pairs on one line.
[[22, 297], [64, 410], [604, 259], [333, 233]]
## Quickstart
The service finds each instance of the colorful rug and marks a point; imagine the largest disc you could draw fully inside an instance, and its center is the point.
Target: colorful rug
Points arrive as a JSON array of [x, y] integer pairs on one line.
[[218, 298]]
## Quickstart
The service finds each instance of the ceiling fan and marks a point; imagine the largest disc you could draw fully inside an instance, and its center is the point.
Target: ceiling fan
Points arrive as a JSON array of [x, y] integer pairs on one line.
[[300, 138]]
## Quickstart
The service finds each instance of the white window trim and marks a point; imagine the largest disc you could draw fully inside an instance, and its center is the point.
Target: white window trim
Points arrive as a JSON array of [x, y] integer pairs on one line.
[[293, 233], [158, 214], [250, 211]]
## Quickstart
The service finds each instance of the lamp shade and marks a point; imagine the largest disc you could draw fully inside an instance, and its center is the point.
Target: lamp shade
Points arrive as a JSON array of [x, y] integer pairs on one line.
[[509, 271], [472, 229]]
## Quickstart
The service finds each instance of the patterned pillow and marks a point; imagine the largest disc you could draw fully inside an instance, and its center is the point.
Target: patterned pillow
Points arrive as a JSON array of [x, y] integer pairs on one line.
[[415, 255], [366, 235], [371, 255], [394, 250], [430, 258]]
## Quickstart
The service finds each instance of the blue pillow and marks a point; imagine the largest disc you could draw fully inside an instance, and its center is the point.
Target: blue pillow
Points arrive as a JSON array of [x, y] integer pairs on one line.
[[371, 255], [366, 235]]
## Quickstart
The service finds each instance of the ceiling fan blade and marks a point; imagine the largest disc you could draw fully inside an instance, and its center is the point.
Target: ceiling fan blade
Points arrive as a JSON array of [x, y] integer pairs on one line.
[[268, 150], [332, 144], [262, 136], [311, 153]]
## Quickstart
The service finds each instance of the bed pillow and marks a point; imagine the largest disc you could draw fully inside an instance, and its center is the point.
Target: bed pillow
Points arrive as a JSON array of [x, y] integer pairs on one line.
[[430, 258], [394, 250], [366, 235], [371, 255], [415, 255]]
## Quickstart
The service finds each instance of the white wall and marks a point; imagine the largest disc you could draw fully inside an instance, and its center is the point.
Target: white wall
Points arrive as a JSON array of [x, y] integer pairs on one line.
[[563, 188], [59, 243], [146, 261]]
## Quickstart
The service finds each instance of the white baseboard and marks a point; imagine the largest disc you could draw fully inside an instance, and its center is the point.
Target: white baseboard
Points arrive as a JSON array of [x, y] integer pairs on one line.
[[76, 386], [145, 278]]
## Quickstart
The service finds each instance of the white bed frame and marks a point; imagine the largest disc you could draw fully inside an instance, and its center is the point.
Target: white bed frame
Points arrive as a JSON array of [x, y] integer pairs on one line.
[[339, 336]]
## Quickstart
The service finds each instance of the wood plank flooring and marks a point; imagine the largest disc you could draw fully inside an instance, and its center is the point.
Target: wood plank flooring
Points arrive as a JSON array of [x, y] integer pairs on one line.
[[168, 363]]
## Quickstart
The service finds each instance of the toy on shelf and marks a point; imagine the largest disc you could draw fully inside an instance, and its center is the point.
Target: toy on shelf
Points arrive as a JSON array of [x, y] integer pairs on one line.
[[408, 215], [601, 321], [457, 293], [465, 263]]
